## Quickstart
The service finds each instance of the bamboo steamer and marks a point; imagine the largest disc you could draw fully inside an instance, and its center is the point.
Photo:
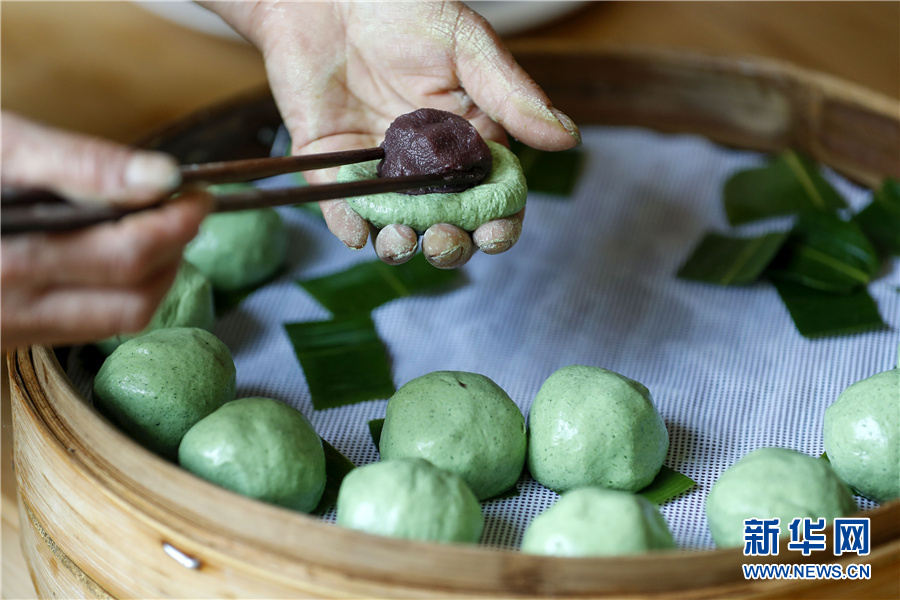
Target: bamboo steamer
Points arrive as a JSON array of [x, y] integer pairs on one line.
[[102, 517]]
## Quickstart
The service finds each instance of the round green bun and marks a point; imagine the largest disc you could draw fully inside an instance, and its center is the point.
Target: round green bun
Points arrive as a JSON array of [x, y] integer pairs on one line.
[[239, 249], [598, 522], [188, 303], [773, 483], [260, 448], [501, 194], [461, 422], [592, 427], [158, 385], [412, 499], [862, 436]]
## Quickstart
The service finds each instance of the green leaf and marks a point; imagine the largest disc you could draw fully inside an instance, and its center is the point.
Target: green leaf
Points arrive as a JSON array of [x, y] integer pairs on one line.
[[881, 218], [667, 484], [826, 253], [553, 173], [790, 184], [344, 360], [365, 286], [375, 428], [817, 314], [731, 261], [336, 468]]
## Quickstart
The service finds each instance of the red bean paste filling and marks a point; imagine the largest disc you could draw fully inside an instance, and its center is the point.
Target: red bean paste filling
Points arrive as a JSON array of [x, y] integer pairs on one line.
[[430, 141]]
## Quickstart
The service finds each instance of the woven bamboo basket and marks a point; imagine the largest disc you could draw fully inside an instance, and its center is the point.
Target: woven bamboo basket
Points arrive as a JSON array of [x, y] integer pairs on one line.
[[102, 517]]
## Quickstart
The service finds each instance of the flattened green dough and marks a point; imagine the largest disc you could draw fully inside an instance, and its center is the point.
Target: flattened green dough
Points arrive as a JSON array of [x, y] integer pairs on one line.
[[774, 483], [409, 498], [158, 385], [593, 427], [260, 448], [862, 436], [462, 422], [502, 194], [597, 522], [189, 303]]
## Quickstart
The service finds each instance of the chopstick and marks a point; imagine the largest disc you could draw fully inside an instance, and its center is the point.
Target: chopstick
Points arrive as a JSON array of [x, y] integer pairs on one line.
[[259, 168], [23, 217]]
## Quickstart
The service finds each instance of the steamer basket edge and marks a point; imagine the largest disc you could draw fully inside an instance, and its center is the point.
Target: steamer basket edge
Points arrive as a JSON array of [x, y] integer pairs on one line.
[[71, 437]]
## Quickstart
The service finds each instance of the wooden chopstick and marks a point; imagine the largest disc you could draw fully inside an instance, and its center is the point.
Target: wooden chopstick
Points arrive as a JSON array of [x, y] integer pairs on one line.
[[259, 168], [63, 216]]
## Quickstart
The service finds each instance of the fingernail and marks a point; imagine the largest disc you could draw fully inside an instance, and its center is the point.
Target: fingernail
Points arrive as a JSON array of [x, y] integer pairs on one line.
[[567, 123], [152, 171], [496, 247], [447, 259]]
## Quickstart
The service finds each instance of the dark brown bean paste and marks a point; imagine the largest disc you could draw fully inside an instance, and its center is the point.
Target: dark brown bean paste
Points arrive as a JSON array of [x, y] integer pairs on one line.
[[430, 141]]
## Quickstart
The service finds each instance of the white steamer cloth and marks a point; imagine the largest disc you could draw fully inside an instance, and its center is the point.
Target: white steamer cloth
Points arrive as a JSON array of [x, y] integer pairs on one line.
[[592, 282]]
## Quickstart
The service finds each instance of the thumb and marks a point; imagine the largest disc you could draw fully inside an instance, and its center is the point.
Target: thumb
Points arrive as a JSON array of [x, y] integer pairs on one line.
[[82, 168], [502, 89]]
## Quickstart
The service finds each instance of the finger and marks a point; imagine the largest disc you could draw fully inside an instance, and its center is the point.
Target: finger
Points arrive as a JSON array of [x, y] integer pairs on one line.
[[499, 235], [64, 315], [501, 88], [446, 246], [82, 168], [121, 253], [342, 220], [396, 244], [345, 224]]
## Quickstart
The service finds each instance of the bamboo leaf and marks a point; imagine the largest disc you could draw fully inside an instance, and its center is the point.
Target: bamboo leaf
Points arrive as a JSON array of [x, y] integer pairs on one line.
[[826, 253], [336, 468], [344, 360], [375, 428], [368, 285], [667, 484], [790, 184], [818, 314], [881, 218], [554, 173], [731, 261]]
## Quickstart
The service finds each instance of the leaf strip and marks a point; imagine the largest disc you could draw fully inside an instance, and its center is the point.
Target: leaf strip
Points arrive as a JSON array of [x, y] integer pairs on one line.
[[803, 177], [667, 484], [365, 286], [731, 261], [336, 468], [819, 314], [344, 360], [880, 220], [375, 428]]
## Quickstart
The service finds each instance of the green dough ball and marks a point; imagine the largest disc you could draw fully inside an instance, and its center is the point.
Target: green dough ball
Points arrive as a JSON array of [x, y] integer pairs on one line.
[[158, 385], [774, 483], [598, 522], [260, 448], [189, 303], [502, 194], [409, 498], [593, 427], [862, 436], [239, 249], [461, 422]]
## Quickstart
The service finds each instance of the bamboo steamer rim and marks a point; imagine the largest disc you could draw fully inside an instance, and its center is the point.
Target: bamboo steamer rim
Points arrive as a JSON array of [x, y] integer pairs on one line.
[[203, 515]]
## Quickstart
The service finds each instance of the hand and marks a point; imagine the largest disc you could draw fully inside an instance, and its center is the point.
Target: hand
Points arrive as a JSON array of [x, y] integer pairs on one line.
[[86, 285], [341, 72]]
